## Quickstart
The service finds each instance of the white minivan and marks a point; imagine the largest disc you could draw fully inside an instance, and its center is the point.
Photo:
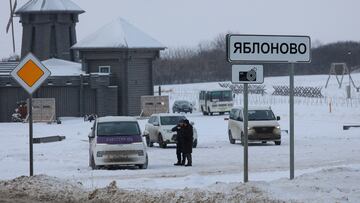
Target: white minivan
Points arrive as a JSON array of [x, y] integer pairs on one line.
[[116, 141], [263, 126]]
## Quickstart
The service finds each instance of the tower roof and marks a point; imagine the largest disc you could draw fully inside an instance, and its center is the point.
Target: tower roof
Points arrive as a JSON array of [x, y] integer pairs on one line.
[[49, 6], [119, 34]]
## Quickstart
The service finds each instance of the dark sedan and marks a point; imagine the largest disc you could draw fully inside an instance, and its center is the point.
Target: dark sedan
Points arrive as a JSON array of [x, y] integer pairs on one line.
[[182, 106]]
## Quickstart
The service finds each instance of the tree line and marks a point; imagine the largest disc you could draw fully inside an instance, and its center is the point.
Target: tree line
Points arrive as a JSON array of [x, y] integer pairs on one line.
[[207, 62]]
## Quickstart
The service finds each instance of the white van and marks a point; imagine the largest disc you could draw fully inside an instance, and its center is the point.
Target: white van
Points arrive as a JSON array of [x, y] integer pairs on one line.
[[116, 141], [263, 126], [215, 101]]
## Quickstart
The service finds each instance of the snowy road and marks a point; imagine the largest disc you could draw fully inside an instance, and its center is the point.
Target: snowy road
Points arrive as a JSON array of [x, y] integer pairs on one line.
[[320, 143]]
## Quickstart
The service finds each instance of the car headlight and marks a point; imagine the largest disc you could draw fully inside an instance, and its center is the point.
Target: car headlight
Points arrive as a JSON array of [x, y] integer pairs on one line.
[[167, 131], [250, 128], [140, 153], [277, 127], [100, 153]]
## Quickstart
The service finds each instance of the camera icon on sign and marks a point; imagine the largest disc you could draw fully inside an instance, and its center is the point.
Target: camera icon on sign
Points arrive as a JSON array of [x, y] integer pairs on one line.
[[248, 75]]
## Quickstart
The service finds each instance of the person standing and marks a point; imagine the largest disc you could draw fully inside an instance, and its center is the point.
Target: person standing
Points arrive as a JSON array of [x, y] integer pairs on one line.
[[188, 136], [179, 143]]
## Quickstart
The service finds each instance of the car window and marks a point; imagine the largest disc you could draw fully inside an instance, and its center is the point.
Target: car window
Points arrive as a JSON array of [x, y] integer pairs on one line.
[[156, 120], [232, 114], [118, 128], [221, 96], [183, 102], [239, 115], [171, 120], [151, 119], [258, 115]]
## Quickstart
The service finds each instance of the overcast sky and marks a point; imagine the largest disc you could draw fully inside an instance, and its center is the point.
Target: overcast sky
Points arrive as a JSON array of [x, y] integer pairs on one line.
[[189, 22]]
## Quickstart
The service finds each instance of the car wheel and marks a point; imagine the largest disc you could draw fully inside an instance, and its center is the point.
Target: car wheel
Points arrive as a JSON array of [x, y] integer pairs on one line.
[[277, 142], [145, 165], [162, 144], [210, 113], [147, 138], [263, 142], [203, 112], [194, 143], [231, 139], [222, 113]]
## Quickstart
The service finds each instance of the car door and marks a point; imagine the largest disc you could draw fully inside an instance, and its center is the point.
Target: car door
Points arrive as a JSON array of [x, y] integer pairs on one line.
[[92, 139], [238, 124], [156, 127], [175, 107], [150, 128]]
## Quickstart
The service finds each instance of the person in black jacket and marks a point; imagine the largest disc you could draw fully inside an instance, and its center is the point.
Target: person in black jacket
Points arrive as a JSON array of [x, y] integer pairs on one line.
[[179, 143], [188, 136]]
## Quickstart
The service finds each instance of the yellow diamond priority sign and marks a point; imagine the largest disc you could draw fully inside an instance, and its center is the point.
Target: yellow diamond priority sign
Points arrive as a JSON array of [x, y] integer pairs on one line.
[[30, 73]]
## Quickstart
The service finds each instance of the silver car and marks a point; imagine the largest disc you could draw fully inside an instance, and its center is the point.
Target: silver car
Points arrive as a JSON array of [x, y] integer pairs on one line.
[[158, 129]]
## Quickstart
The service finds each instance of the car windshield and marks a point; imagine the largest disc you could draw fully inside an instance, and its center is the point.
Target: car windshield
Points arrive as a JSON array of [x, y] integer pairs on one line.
[[170, 120], [118, 128], [221, 95], [183, 102], [258, 115]]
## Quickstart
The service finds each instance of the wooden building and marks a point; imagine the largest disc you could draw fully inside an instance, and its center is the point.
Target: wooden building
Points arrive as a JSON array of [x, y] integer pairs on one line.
[[112, 72]]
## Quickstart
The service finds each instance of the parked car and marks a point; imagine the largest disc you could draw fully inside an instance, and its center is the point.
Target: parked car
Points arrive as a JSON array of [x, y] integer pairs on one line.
[[263, 126], [182, 106], [116, 141], [158, 130]]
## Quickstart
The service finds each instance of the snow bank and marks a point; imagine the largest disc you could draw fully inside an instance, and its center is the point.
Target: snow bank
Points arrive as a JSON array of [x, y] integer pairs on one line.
[[217, 193], [311, 187], [338, 184], [49, 189], [40, 188]]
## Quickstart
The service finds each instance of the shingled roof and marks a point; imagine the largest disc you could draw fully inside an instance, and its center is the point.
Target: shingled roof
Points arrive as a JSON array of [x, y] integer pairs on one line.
[[119, 34], [49, 6]]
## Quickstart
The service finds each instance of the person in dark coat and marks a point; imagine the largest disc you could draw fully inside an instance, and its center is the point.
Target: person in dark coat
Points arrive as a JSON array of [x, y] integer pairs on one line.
[[188, 137], [179, 144]]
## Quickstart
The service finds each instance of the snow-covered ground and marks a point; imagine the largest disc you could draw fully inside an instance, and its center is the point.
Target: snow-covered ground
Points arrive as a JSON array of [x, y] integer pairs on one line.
[[327, 158]]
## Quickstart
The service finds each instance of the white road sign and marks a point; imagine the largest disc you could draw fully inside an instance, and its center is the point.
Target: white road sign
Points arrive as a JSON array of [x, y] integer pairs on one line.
[[30, 73], [268, 48], [248, 74]]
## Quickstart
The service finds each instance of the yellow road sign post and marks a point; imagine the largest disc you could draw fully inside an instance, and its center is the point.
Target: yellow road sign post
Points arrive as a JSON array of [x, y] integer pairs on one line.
[[30, 74]]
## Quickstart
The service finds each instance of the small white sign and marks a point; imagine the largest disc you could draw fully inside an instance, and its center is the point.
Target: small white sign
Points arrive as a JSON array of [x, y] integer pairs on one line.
[[30, 73], [268, 48], [248, 74]]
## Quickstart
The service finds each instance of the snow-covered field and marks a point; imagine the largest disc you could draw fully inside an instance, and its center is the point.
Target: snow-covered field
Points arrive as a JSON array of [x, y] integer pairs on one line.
[[327, 158]]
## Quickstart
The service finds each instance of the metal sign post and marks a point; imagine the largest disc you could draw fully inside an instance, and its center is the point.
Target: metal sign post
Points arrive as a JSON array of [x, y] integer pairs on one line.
[[268, 48], [247, 74], [292, 157], [31, 136], [246, 114], [30, 74]]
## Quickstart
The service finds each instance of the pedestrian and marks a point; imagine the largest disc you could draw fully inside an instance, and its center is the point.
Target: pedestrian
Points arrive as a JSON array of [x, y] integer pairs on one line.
[[179, 143], [188, 136]]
